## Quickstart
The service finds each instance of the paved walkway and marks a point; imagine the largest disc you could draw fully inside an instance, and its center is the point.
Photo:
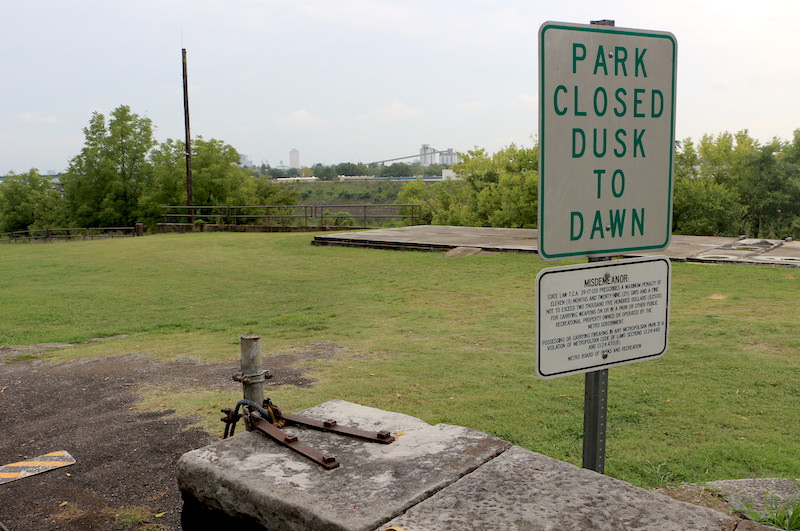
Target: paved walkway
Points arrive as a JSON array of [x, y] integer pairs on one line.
[[681, 248]]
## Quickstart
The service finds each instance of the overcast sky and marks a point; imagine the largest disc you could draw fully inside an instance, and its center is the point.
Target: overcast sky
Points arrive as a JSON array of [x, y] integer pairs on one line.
[[360, 80]]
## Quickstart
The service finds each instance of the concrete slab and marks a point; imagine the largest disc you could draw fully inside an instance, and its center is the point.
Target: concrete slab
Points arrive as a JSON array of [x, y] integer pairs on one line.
[[522, 490], [755, 492], [743, 250], [438, 237], [685, 247], [708, 249], [787, 253], [255, 478]]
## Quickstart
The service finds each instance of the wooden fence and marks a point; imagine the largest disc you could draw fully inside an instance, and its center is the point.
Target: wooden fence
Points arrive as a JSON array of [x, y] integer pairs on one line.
[[71, 233]]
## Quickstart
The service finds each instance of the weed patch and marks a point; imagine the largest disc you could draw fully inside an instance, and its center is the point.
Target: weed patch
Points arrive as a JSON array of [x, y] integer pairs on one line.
[[782, 514], [134, 518]]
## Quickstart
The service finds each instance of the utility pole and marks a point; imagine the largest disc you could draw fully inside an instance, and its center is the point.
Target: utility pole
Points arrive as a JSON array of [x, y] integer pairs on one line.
[[189, 193]]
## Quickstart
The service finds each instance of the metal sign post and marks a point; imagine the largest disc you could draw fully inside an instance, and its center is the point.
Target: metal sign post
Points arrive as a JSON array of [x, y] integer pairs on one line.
[[606, 135], [595, 406], [593, 316]]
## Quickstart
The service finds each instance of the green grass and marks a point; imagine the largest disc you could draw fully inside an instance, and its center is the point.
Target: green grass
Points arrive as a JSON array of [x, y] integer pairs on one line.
[[446, 340]]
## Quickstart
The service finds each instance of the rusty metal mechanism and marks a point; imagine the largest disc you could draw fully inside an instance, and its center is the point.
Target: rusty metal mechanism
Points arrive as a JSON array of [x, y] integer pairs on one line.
[[247, 379], [269, 420]]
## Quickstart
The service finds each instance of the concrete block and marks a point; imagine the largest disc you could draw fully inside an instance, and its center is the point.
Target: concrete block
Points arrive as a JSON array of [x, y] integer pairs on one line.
[[754, 492], [525, 491], [253, 477]]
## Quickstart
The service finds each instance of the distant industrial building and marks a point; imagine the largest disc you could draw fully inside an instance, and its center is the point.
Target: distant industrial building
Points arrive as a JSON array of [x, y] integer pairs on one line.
[[448, 158], [426, 155], [294, 159]]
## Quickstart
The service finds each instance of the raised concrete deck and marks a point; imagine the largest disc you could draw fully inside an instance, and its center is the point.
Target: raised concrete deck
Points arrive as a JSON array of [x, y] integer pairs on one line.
[[681, 248], [431, 478], [437, 238]]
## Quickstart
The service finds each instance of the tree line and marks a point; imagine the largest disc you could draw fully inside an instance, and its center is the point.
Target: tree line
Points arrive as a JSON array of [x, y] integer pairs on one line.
[[334, 171], [122, 176], [724, 185]]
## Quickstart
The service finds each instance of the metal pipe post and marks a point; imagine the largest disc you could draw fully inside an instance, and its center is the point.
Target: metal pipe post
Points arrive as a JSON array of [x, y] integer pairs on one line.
[[595, 409], [252, 374], [595, 394], [595, 406]]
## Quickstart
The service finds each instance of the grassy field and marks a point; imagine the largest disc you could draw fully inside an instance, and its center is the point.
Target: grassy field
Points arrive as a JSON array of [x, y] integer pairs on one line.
[[444, 339]]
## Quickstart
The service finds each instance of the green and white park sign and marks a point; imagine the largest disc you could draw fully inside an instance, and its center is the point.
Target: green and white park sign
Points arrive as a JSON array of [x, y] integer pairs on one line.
[[606, 135]]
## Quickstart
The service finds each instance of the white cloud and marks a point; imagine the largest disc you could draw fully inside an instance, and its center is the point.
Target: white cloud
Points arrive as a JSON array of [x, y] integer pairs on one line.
[[301, 119], [527, 101], [394, 112], [471, 106], [35, 118]]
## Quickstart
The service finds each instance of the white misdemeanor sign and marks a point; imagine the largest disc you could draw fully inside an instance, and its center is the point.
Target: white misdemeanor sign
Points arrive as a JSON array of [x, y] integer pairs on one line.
[[606, 139], [598, 315]]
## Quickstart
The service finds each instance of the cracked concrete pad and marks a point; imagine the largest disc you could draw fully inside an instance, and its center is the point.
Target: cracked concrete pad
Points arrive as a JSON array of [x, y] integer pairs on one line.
[[252, 477], [739, 492], [525, 491]]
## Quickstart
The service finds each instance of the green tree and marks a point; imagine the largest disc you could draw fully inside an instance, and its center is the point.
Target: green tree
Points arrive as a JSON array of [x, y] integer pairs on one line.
[[276, 173], [763, 180], [432, 170], [702, 203], [104, 183], [324, 173], [504, 186], [704, 207], [30, 201], [263, 192], [498, 190], [216, 179], [398, 169], [350, 169], [769, 192], [417, 192]]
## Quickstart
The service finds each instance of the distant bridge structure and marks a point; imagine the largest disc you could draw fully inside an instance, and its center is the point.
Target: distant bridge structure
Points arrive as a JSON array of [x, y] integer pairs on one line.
[[447, 157]]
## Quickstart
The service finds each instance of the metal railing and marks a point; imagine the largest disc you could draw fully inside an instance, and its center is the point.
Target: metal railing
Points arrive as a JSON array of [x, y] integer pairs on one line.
[[311, 217], [68, 233]]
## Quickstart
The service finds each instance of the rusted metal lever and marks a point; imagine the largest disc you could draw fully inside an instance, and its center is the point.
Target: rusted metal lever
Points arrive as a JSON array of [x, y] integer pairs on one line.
[[259, 424], [383, 436], [269, 420]]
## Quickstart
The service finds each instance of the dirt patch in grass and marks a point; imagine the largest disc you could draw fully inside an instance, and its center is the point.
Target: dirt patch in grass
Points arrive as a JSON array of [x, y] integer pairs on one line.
[[125, 457], [697, 495]]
